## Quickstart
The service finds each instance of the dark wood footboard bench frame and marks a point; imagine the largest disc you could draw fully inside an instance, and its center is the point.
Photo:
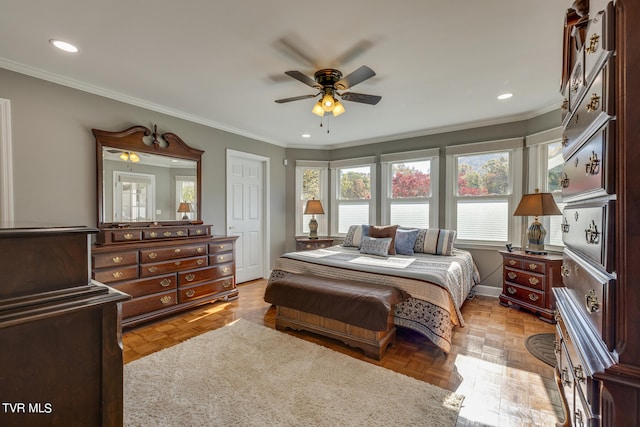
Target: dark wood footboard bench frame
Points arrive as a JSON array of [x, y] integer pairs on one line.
[[373, 342]]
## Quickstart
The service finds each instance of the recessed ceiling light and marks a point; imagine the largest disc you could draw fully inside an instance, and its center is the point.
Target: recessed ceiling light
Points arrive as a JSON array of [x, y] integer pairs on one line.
[[505, 96], [62, 45], [306, 135]]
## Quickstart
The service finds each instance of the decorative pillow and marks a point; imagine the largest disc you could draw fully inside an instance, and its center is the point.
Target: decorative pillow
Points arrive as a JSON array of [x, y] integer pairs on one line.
[[435, 241], [385, 231], [353, 237], [375, 246], [405, 240]]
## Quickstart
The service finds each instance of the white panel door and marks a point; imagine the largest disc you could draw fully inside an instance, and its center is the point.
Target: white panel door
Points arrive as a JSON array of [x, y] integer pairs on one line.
[[245, 183]]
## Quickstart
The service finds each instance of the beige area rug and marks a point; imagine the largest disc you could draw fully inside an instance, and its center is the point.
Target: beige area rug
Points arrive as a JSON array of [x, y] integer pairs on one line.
[[246, 374]]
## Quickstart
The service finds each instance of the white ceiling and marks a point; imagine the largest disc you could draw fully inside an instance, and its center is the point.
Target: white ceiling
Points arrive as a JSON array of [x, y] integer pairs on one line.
[[440, 64]]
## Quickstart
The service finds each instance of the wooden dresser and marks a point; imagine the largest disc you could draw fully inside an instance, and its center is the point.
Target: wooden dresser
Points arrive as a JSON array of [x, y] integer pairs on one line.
[[61, 356], [528, 280], [165, 268], [598, 338]]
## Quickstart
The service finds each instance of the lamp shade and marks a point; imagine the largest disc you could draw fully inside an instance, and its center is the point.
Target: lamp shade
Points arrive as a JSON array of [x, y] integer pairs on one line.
[[184, 207], [313, 207], [537, 204]]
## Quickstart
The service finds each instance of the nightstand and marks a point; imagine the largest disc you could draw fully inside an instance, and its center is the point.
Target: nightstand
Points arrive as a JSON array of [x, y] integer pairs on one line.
[[307, 244], [527, 282]]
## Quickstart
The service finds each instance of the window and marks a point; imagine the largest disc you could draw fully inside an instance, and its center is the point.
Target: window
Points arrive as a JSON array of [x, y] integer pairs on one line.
[[311, 182], [409, 195], [134, 197], [484, 181], [186, 192], [546, 173], [353, 193]]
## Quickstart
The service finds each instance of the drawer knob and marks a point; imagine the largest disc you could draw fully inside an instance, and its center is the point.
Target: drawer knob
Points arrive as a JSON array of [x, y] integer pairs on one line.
[[226, 270], [579, 374], [221, 246], [565, 105], [116, 259], [190, 293], [556, 346], [177, 251], [592, 167], [594, 103], [200, 262], [534, 280], [226, 283], [117, 274], [128, 236], [166, 300], [564, 271], [200, 250], [198, 231], [533, 266], [565, 377], [180, 233], [165, 282], [189, 277], [153, 255], [512, 275], [565, 225], [220, 257], [534, 297], [167, 234], [152, 269], [511, 290], [512, 262], [593, 44], [565, 141], [153, 234], [177, 263], [591, 301], [592, 234], [564, 182]]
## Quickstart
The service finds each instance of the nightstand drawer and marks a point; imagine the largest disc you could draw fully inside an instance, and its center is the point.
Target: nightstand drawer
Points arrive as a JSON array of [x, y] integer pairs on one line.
[[527, 295], [531, 280]]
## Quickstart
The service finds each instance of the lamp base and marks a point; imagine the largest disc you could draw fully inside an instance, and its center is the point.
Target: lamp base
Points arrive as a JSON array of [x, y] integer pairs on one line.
[[313, 228]]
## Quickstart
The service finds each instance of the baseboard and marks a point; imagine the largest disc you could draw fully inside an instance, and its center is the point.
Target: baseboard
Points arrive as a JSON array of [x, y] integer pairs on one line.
[[487, 291]]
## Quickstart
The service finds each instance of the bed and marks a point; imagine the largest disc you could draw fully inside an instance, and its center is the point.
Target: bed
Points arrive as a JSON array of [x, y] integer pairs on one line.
[[438, 284]]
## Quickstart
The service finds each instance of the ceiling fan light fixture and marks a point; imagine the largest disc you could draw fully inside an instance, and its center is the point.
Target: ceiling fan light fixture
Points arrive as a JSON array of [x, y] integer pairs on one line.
[[338, 108], [328, 102], [317, 109]]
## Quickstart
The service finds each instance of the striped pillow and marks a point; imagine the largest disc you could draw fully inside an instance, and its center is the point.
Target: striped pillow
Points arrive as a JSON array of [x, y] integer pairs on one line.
[[435, 241], [353, 239]]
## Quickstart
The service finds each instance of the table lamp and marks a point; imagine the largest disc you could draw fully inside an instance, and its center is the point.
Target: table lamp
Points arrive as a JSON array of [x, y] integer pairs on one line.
[[535, 205], [185, 208], [313, 208]]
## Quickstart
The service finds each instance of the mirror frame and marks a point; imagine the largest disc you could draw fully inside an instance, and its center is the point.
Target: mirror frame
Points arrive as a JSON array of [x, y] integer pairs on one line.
[[133, 139]]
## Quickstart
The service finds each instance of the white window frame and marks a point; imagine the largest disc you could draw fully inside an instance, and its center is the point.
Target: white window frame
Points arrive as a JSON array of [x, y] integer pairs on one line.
[[323, 220], [388, 160], [536, 145], [334, 168], [117, 193], [515, 146]]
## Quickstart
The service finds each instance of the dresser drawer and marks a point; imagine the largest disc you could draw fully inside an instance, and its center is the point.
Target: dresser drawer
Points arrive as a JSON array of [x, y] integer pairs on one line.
[[593, 292], [205, 289], [161, 254], [123, 235], [114, 259], [512, 262], [221, 258], [141, 287], [165, 233], [202, 230], [599, 41], [525, 294], [115, 274], [596, 108], [531, 280], [154, 269], [186, 278], [589, 172], [222, 246], [149, 303], [587, 229]]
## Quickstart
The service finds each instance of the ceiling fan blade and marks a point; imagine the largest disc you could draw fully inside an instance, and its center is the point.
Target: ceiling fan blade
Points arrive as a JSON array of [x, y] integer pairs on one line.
[[361, 97], [303, 78], [350, 54], [295, 98], [293, 46], [361, 74]]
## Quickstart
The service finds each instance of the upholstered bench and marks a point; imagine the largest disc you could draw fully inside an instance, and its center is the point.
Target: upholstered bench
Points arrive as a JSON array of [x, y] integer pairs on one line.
[[356, 313]]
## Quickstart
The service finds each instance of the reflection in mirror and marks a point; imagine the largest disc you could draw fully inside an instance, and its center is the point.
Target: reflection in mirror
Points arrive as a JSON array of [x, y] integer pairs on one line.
[[143, 187], [144, 178]]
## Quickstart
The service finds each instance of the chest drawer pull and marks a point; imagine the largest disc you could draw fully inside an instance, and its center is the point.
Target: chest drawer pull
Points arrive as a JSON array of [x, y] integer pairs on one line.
[[512, 275], [592, 167], [166, 300], [592, 234], [177, 251], [180, 233], [153, 234], [511, 290], [226, 270], [565, 378], [198, 231], [534, 280], [594, 103], [565, 105], [534, 297], [512, 262], [556, 346], [167, 234], [533, 266], [220, 257], [579, 418], [564, 271], [117, 274], [565, 141], [153, 255], [564, 182], [221, 246], [177, 263], [593, 44], [116, 259], [189, 277], [152, 269], [165, 282], [591, 301], [200, 262], [226, 283], [565, 225], [557, 316], [190, 293], [200, 250], [579, 374], [128, 236]]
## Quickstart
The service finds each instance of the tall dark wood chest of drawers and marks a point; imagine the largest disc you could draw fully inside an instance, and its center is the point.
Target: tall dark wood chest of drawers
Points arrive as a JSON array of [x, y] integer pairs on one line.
[[165, 268], [598, 338], [60, 334]]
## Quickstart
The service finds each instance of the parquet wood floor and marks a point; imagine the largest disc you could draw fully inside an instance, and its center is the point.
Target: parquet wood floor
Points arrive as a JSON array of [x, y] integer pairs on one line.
[[502, 383]]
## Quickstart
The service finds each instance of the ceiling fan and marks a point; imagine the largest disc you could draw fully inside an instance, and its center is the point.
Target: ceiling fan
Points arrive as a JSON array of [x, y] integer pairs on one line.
[[328, 82]]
